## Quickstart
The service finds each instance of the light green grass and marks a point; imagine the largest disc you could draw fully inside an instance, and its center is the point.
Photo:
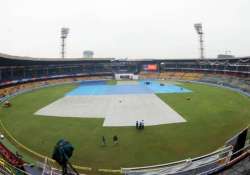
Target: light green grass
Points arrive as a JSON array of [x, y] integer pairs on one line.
[[213, 115], [111, 82]]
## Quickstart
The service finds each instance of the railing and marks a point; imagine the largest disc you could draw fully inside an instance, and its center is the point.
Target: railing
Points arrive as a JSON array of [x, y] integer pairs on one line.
[[8, 169], [245, 150], [189, 165], [216, 161]]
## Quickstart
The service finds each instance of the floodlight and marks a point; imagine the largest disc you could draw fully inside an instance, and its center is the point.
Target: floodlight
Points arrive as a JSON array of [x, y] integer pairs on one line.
[[64, 34], [198, 28]]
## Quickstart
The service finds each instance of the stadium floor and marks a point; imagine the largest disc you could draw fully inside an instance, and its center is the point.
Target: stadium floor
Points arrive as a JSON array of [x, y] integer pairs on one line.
[[120, 105], [101, 88], [214, 115], [121, 110]]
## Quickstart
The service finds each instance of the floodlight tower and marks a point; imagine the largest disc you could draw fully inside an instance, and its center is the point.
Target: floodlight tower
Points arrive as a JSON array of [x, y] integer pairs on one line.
[[198, 28], [64, 34]]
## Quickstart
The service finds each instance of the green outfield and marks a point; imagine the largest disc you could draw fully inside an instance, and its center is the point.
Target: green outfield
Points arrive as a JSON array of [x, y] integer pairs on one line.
[[213, 115]]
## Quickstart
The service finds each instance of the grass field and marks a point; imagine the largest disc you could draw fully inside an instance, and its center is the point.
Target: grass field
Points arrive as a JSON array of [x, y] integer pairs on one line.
[[213, 115]]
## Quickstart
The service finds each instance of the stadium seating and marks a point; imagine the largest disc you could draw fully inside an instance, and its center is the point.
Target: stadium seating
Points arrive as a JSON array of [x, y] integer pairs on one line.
[[5, 91], [18, 74], [232, 81]]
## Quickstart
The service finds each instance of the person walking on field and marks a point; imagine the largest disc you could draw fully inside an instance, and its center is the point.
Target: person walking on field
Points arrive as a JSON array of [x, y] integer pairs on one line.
[[115, 139], [103, 141]]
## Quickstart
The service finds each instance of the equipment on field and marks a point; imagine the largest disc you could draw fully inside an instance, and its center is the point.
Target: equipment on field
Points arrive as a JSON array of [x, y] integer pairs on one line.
[[7, 104], [126, 76], [62, 153]]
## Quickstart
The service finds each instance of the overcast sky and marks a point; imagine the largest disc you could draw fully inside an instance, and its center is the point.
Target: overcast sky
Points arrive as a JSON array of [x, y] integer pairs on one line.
[[124, 28]]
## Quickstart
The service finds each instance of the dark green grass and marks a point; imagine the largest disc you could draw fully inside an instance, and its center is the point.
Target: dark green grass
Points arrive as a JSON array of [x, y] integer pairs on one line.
[[213, 115]]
